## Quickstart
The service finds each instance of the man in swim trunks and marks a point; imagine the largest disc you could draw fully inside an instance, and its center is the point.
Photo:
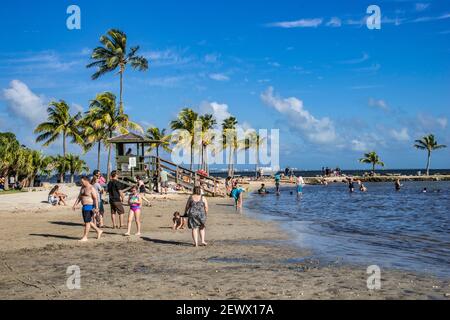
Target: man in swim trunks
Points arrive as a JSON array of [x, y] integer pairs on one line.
[[164, 178], [300, 183], [351, 185], [116, 197], [89, 200]]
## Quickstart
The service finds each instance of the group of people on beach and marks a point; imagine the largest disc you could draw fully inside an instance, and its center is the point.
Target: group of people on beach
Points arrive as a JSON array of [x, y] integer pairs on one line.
[[91, 196]]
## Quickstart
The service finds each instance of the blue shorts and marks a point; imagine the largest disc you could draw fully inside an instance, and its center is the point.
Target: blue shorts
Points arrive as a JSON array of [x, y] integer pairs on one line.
[[299, 189], [87, 213]]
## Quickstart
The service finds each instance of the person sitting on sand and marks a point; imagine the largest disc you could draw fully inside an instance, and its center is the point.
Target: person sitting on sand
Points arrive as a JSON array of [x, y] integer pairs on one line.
[[89, 200], [237, 194], [197, 211], [55, 197], [179, 222], [263, 189], [135, 203]]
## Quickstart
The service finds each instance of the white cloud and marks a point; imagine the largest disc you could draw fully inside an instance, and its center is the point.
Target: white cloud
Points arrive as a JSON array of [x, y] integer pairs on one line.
[[430, 123], [219, 77], [400, 135], [211, 58], [220, 111], [380, 104], [315, 130], [422, 6], [334, 22], [364, 57], [302, 23], [168, 57], [25, 104], [358, 145]]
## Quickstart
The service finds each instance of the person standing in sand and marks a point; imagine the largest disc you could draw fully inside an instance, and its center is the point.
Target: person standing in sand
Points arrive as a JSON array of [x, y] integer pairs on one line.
[[89, 200], [135, 202], [116, 197], [197, 210]]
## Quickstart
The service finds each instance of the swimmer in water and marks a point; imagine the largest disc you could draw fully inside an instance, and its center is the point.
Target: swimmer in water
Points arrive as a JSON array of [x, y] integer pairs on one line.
[[398, 185]]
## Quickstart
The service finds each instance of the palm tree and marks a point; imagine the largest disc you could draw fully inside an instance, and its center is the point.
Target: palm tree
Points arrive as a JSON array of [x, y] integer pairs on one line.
[[75, 165], [162, 140], [59, 123], [230, 141], [113, 55], [208, 123], [103, 113], [430, 144], [9, 148], [60, 166], [186, 121], [373, 159], [38, 164], [93, 136], [255, 141]]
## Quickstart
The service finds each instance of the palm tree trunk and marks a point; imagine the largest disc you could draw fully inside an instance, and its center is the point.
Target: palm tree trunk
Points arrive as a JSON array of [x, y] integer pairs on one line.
[[98, 154], [230, 165], [64, 144], [72, 177], [428, 163], [6, 185], [192, 156], [373, 168], [109, 159], [122, 69]]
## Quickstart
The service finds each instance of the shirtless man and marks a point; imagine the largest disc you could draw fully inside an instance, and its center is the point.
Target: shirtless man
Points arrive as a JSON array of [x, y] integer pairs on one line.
[[89, 200]]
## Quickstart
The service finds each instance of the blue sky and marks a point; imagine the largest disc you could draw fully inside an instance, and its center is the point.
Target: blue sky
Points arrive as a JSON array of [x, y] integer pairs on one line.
[[312, 69]]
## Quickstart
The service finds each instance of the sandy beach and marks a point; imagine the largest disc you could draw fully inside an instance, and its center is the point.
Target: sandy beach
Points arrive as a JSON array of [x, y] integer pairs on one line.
[[245, 259]]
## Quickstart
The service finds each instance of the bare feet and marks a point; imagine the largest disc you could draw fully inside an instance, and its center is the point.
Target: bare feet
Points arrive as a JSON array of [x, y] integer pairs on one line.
[[127, 234], [204, 244], [99, 234], [83, 240], [137, 234]]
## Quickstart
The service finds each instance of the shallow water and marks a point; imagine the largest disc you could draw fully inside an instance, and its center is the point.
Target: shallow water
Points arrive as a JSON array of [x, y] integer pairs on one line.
[[407, 230]]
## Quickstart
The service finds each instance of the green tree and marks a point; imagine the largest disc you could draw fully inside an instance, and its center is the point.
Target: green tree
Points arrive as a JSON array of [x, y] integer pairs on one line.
[[113, 55], [75, 165], [230, 141], [60, 166], [59, 123], [429, 144], [373, 159], [186, 121], [9, 148], [39, 165], [162, 140], [105, 115], [92, 136], [208, 123]]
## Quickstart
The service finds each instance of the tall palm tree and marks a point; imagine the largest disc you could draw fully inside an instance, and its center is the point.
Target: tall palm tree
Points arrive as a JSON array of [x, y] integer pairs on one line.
[[113, 55], [255, 141], [103, 113], [186, 121], [9, 148], [162, 140], [75, 165], [373, 159], [93, 136], [59, 123], [230, 141], [208, 123], [430, 144]]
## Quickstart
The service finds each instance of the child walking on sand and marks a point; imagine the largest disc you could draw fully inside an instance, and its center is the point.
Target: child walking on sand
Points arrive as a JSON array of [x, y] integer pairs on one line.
[[135, 203]]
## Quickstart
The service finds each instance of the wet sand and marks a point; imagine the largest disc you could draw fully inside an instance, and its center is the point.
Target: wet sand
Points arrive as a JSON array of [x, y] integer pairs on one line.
[[245, 259]]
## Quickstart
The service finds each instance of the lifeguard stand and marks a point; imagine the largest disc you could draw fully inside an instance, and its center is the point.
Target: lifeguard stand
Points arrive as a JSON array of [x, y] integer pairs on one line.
[[130, 157]]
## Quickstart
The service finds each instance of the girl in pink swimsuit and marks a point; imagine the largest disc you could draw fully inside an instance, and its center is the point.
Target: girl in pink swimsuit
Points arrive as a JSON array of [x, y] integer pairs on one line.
[[135, 203]]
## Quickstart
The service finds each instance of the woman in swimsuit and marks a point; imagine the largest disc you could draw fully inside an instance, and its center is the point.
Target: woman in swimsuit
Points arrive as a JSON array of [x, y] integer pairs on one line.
[[135, 203]]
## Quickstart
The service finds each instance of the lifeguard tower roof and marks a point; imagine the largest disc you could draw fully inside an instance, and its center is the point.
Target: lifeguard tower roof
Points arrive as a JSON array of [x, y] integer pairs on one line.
[[131, 138]]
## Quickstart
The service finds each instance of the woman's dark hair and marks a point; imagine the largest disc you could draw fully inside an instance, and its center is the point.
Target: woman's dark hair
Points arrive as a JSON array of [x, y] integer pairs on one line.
[[197, 190], [54, 190]]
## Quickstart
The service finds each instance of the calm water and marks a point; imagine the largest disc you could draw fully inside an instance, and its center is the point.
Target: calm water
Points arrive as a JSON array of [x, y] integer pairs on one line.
[[406, 230]]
